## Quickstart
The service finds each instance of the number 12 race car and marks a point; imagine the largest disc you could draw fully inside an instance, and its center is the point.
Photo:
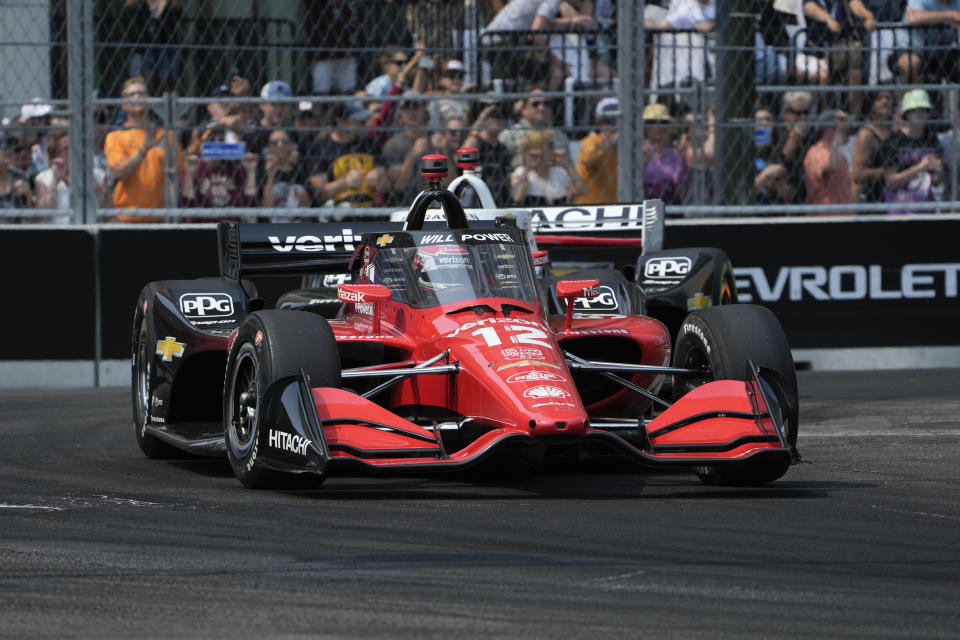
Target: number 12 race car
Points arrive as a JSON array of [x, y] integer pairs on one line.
[[448, 351]]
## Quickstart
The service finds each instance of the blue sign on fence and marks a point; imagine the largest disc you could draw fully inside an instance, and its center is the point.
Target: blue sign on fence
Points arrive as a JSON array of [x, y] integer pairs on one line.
[[223, 150]]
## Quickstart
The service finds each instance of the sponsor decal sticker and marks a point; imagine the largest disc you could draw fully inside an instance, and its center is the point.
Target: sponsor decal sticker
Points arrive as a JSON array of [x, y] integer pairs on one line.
[[603, 300], [333, 280], [698, 301], [206, 305], [695, 330], [314, 244], [494, 321], [535, 376], [352, 296], [257, 339], [667, 267], [522, 353], [384, 240], [545, 391], [169, 348], [528, 363], [597, 332], [552, 404], [290, 442], [596, 316]]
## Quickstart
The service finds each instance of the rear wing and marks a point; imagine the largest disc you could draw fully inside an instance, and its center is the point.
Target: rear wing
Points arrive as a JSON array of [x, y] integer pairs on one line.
[[602, 225], [301, 248], [291, 248], [639, 225]]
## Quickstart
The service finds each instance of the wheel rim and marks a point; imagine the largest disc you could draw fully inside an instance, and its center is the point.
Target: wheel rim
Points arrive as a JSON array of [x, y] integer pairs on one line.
[[244, 403], [696, 359], [143, 380]]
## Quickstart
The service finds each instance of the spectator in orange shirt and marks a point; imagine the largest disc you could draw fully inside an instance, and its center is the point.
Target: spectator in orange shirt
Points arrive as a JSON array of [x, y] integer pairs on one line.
[[597, 161], [137, 156], [827, 171]]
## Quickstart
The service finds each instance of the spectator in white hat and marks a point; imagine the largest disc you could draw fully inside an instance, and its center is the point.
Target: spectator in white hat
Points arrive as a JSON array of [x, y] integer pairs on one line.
[[597, 162]]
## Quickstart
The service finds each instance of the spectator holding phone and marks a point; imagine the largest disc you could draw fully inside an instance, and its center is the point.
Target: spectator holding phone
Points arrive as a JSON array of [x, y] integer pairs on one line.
[[547, 176], [826, 167], [536, 112], [494, 157], [213, 182], [137, 156]]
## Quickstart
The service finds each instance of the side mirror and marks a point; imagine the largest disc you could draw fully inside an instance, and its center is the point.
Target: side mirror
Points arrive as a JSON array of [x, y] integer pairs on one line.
[[363, 293], [570, 290]]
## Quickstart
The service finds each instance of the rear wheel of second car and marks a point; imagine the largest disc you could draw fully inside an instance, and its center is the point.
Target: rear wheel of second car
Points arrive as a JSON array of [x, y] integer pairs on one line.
[[270, 345]]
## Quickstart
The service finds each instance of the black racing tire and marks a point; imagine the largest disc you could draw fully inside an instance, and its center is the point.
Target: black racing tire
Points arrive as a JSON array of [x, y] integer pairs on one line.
[[144, 345], [271, 345], [718, 341]]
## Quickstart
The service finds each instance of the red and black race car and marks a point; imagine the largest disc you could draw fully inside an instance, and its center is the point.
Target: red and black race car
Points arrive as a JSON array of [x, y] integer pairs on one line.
[[447, 351]]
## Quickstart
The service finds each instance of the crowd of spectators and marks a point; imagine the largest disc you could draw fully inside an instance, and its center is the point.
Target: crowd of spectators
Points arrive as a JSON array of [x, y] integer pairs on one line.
[[362, 148]]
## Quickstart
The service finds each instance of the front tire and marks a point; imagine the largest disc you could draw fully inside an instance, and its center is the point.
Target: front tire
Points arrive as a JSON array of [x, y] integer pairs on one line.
[[144, 344], [270, 345], [718, 341]]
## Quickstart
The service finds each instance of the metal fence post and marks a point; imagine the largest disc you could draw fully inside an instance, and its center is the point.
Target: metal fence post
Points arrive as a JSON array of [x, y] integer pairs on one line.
[[632, 61], [736, 94], [80, 77], [171, 186]]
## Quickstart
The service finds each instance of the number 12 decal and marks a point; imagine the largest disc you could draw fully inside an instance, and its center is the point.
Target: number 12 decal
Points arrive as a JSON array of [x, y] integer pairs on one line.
[[525, 335]]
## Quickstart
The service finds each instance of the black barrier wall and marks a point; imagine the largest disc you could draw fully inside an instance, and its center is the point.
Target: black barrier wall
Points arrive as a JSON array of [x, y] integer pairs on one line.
[[49, 293], [833, 284], [879, 283]]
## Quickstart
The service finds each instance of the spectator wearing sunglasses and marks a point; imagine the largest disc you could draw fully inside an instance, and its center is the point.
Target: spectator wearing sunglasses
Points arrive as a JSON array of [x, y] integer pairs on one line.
[[281, 174], [450, 83], [137, 156], [536, 112], [793, 139]]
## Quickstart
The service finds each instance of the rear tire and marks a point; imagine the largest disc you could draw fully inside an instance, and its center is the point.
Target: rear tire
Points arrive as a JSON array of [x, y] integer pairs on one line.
[[271, 345], [718, 341]]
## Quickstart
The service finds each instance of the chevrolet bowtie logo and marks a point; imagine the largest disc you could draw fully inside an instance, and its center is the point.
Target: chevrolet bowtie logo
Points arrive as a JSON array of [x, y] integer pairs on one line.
[[169, 348], [698, 301], [384, 240]]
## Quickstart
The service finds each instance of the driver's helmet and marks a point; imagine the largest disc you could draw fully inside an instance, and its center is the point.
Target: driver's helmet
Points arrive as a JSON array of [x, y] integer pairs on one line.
[[439, 267]]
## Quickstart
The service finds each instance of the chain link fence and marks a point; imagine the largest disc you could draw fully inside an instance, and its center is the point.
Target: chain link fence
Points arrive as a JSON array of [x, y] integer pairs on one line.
[[198, 110]]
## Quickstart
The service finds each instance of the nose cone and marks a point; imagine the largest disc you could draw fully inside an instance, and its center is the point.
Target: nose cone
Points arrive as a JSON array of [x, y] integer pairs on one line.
[[523, 383]]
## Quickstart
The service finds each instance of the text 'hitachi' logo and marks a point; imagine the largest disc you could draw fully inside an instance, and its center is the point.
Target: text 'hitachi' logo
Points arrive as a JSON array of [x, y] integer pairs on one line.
[[849, 282], [288, 442], [206, 305], [313, 244], [672, 267]]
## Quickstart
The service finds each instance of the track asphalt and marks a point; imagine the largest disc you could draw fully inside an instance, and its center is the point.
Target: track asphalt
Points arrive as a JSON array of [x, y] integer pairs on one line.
[[864, 542]]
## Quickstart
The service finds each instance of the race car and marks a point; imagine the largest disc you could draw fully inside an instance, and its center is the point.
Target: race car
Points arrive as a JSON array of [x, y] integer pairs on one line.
[[448, 352]]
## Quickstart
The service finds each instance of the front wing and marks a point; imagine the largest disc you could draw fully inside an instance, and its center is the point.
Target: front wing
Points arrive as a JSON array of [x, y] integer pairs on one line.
[[323, 429]]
